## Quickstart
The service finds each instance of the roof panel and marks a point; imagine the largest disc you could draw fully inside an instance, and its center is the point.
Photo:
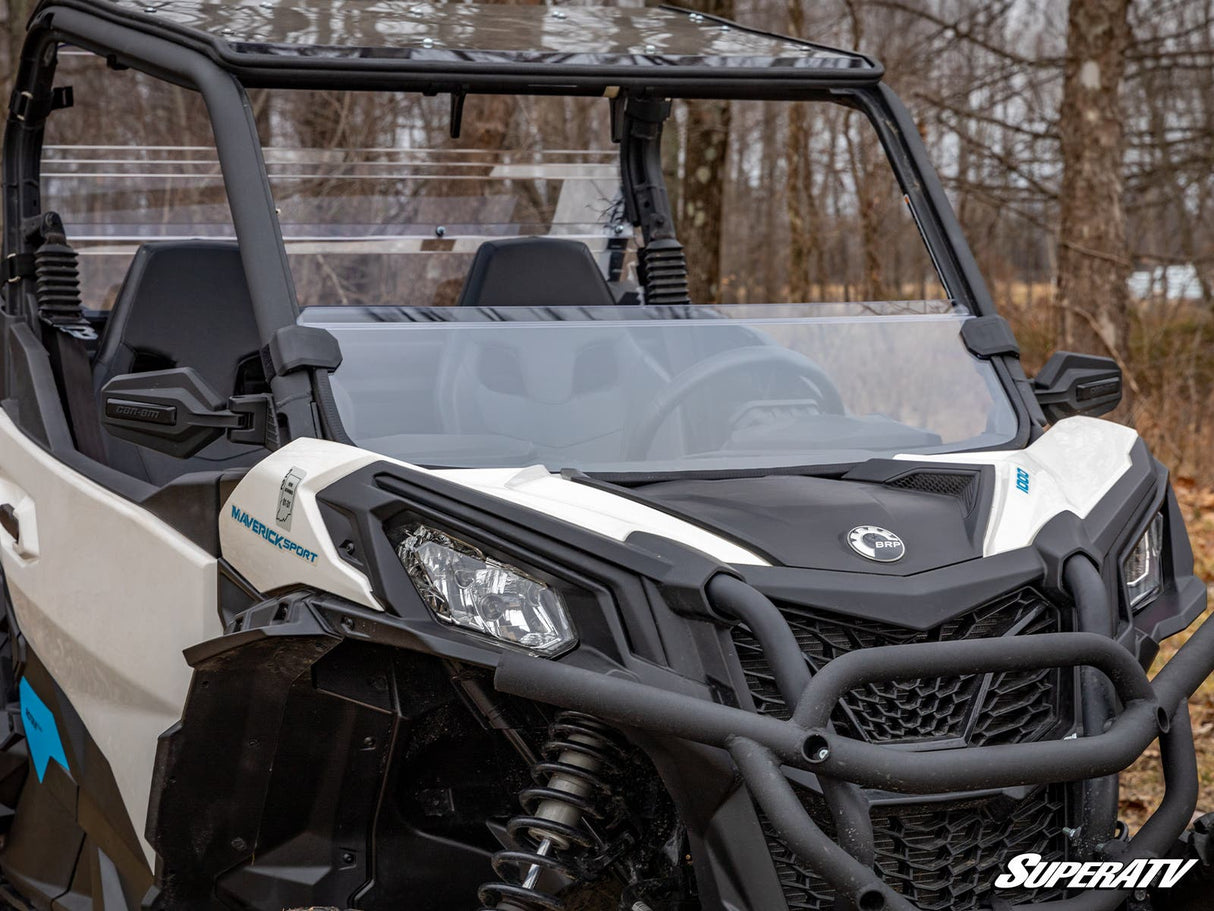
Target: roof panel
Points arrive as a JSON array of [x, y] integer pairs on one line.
[[444, 32]]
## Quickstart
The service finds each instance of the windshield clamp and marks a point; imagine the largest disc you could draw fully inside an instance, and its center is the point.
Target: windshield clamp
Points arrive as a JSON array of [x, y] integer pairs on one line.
[[22, 104], [989, 336], [294, 348], [18, 266]]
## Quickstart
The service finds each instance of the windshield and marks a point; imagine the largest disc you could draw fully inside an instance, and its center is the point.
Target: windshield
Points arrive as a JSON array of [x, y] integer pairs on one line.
[[662, 389], [492, 236]]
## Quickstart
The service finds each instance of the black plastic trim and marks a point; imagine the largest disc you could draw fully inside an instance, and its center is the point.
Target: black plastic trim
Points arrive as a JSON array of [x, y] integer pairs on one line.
[[64, 820], [988, 336], [292, 348]]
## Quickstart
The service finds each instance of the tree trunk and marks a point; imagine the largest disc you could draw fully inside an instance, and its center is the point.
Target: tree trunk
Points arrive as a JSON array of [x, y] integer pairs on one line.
[[704, 183], [14, 14], [867, 167], [1093, 254], [805, 241]]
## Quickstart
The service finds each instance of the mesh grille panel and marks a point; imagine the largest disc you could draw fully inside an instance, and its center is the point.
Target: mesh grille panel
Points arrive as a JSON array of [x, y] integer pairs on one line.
[[964, 486], [942, 857], [981, 709]]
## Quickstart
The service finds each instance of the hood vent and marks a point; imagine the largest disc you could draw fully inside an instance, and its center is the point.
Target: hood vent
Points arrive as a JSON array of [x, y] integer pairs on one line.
[[961, 485]]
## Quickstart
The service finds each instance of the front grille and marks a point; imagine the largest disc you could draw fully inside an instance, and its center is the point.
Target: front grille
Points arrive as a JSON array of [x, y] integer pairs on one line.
[[942, 857], [978, 709]]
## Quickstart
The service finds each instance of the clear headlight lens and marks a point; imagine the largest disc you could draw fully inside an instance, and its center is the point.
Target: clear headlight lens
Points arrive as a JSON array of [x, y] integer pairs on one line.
[[1143, 568], [465, 588]]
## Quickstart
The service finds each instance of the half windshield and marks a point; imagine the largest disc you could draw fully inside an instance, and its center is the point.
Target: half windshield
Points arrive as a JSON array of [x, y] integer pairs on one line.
[[662, 389]]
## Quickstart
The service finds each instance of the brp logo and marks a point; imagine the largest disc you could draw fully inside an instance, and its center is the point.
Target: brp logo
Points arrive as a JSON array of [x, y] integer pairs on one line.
[[875, 543]]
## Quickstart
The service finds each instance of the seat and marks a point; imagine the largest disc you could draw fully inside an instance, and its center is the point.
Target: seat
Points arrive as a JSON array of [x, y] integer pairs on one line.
[[569, 388], [535, 272], [183, 304]]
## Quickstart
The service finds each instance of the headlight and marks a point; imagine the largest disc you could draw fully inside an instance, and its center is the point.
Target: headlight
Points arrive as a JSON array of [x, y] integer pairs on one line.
[[465, 588], [1143, 568]]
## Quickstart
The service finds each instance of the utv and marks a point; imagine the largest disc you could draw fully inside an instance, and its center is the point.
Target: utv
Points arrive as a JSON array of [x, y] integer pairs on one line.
[[385, 527]]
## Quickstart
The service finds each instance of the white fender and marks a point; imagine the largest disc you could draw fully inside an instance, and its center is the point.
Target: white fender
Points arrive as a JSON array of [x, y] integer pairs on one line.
[[1069, 469]]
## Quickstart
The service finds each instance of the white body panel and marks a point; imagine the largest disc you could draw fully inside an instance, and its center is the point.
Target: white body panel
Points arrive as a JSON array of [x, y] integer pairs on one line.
[[107, 596], [269, 566], [273, 560], [1069, 469]]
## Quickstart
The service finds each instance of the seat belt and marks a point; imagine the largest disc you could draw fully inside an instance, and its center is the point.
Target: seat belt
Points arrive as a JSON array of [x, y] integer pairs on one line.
[[66, 334]]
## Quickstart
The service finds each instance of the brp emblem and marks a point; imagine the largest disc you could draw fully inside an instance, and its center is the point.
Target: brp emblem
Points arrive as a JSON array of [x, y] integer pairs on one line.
[[875, 543]]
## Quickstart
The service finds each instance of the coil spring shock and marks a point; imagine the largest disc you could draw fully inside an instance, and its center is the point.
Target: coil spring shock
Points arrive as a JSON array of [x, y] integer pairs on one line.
[[573, 784]]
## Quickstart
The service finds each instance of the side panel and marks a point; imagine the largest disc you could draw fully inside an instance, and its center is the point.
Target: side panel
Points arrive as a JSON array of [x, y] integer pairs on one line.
[[1069, 469], [108, 596], [271, 528]]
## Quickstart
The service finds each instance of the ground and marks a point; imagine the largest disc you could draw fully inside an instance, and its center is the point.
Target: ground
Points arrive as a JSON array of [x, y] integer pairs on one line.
[[1142, 785]]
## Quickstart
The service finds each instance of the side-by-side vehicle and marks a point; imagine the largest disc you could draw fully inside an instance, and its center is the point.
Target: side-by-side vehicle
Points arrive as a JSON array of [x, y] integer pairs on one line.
[[386, 525]]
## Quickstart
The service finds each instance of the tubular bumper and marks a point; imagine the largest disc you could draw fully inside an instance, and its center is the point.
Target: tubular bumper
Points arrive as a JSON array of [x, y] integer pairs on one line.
[[760, 745]]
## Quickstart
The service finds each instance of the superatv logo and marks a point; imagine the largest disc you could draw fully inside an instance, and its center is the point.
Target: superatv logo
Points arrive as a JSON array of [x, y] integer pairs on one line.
[[282, 542], [1028, 871]]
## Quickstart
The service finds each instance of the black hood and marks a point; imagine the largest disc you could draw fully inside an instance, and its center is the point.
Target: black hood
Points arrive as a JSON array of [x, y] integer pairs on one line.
[[938, 512]]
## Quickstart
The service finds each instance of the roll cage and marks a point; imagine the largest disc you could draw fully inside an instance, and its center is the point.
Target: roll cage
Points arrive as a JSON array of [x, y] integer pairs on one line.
[[220, 50]]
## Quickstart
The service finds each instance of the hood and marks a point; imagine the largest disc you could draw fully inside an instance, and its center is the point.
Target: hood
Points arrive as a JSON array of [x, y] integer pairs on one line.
[[943, 512], [806, 522]]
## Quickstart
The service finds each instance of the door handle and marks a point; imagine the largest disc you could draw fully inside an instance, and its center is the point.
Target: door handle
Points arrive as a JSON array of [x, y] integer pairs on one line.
[[9, 521], [18, 522]]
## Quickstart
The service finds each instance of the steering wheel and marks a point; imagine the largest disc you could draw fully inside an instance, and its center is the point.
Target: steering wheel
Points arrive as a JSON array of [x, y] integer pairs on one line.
[[641, 432]]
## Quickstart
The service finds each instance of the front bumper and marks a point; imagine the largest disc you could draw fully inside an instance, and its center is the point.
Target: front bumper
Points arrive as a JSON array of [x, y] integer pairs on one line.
[[761, 745]]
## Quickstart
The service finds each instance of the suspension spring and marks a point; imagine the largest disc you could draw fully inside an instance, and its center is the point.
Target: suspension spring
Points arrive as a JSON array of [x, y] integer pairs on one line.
[[566, 814]]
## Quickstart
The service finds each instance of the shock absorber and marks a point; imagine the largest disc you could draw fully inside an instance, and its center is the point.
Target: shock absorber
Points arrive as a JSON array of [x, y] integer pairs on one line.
[[573, 795]]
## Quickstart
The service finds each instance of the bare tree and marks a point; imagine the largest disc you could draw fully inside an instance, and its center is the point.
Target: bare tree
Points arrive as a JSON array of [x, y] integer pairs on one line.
[[703, 188], [1093, 256], [13, 16], [805, 245]]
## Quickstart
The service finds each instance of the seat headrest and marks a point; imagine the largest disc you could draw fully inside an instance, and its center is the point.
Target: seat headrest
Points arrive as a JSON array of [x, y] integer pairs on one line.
[[188, 302], [535, 272]]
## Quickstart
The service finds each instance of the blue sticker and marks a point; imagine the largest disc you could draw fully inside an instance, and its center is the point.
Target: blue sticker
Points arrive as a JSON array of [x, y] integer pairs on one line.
[[1022, 480], [282, 542], [41, 732]]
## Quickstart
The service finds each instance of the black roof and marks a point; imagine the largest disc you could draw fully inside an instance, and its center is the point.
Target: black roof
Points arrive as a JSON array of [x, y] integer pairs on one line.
[[256, 38]]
